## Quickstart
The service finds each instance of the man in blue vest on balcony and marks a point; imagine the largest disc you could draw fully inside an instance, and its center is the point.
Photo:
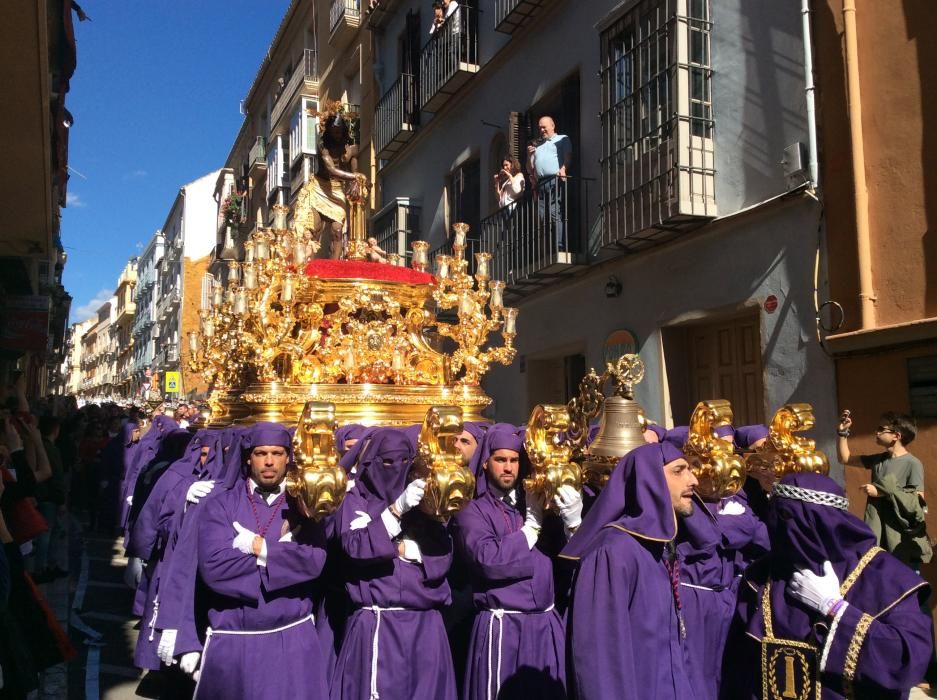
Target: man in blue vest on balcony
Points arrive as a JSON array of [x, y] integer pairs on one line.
[[548, 160]]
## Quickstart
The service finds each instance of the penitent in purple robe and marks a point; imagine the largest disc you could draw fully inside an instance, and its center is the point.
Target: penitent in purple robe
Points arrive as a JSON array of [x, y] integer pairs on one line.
[[517, 631], [623, 626], [395, 644], [261, 642], [876, 646]]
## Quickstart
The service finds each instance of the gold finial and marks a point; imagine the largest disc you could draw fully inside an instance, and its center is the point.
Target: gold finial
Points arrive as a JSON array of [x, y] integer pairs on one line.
[[450, 485], [713, 460], [549, 454], [784, 452], [317, 483]]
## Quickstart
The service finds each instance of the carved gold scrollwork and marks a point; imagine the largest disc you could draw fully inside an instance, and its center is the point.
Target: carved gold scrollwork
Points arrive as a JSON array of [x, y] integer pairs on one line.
[[713, 460], [450, 485], [784, 452], [317, 483], [549, 453]]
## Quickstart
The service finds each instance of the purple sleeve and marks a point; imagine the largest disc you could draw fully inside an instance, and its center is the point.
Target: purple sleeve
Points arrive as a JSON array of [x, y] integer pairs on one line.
[[893, 648], [600, 643], [366, 544], [144, 535], [497, 557], [225, 570], [291, 563]]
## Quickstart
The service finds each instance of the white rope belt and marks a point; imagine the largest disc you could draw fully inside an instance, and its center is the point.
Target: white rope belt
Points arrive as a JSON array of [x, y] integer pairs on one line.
[[375, 645], [239, 633], [498, 614], [153, 619], [702, 588]]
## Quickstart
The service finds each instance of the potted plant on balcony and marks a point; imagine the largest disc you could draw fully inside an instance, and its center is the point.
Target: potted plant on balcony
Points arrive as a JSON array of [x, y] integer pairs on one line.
[[232, 209]]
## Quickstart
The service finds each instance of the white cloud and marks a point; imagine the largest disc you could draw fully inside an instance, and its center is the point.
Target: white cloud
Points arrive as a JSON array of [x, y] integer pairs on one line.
[[73, 200], [86, 311], [135, 174]]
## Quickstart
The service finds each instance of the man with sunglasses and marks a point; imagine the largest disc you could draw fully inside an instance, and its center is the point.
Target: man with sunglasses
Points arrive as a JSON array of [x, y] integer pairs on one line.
[[895, 507]]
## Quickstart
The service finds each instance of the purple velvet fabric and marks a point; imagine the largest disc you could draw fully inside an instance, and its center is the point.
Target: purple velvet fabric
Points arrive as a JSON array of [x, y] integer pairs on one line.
[[622, 629], [268, 434], [142, 455], [723, 431], [349, 460], [659, 430], [898, 643], [246, 597], [507, 575], [352, 431], [376, 576], [677, 436], [747, 435]]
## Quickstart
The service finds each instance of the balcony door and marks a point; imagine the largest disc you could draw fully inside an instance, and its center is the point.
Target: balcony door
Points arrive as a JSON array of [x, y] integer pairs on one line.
[[716, 360], [464, 190]]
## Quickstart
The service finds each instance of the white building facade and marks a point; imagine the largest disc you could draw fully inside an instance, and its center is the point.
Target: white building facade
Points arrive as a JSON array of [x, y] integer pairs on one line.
[[687, 229], [144, 321]]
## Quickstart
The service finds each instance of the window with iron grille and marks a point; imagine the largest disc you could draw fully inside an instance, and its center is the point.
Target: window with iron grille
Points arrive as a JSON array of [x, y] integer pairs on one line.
[[657, 123]]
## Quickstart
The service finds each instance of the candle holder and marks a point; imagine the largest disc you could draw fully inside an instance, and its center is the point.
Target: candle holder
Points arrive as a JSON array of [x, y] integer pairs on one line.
[[420, 255]]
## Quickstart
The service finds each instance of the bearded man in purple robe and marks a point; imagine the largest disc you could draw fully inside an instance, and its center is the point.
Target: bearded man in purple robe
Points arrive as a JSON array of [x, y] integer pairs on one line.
[[625, 632], [258, 558], [827, 614], [517, 645]]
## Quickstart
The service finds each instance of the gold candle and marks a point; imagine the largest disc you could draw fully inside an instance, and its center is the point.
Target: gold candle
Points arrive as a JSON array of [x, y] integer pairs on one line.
[[397, 362], [348, 362], [299, 251], [510, 321], [286, 293], [458, 235], [279, 217], [420, 255], [208, 328], [481, 266], [497, 294], [466, 304], [248, 251], [233, 272], [240, 302], [217, 297], [261, 247], [442, 266], [193, 342], [394, 259], [250, 276], [229, 296]]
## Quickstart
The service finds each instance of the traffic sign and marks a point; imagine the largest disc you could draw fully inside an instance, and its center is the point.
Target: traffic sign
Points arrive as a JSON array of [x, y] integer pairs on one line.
[[173, 382]]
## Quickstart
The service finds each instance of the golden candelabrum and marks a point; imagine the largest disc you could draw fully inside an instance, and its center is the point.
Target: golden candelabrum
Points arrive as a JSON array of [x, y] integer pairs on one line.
[[550, 453], [720, 471], [621, 427], [450, 484], [784, 452], [274, 335], [456, 289], [317, 483]]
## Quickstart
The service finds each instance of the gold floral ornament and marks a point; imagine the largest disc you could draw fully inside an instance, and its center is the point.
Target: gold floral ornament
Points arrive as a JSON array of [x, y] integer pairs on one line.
[[713, 460], [450, 485], [317, 483], [456, 289], [550, 453], [784, 452], [621, 427]]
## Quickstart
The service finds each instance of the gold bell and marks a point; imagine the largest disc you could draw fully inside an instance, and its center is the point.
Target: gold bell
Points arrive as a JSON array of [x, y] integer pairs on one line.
[[621, 429]]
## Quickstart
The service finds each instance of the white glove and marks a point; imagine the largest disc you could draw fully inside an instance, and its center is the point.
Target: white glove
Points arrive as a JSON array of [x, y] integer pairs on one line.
[[411, 551], [411, 496], [816, 592], [129, 500], [189, 663], [731, 508], [244, 540], [534, 520], [199, 490], [360, 522], [167, 644], [569, 504], [133, 572]]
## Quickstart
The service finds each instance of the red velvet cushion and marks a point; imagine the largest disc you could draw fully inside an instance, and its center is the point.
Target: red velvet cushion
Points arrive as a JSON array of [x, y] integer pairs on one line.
[[351, 269]]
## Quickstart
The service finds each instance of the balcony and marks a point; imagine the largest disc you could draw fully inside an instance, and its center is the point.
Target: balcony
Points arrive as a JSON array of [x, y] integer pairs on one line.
[[449, 59], [396, 116], [171, 353], [534, 242], [169, 301], [257, 158], [510, 15], [380, 12], [303, 81], [344, 20], [396, 226]]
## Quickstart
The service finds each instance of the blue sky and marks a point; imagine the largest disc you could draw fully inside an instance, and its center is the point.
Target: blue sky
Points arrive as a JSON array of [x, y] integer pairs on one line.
[[156, 100]]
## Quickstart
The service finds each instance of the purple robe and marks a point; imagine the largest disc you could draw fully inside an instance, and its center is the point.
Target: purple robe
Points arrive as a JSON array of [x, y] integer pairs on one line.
[[517, 631], [623, 628], [882, 626], [397, 601], [145, 451], [274, 602]]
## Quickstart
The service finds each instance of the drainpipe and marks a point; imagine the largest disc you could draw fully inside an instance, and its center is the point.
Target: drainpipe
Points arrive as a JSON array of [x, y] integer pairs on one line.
[[810, 95], [854, 104]]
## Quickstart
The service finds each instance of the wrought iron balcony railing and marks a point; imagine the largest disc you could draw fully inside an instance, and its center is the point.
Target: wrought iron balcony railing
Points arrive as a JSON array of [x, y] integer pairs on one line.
[[396, 226], [510, 15], [449, 59], [396, 116], [305, 79]]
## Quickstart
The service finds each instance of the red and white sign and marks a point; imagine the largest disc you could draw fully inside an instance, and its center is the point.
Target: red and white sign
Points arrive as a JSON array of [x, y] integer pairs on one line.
[[771, 304]]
